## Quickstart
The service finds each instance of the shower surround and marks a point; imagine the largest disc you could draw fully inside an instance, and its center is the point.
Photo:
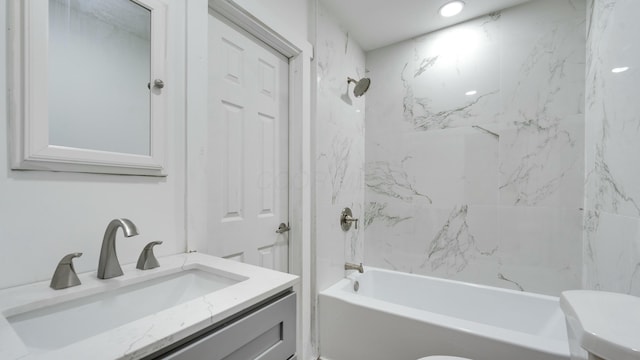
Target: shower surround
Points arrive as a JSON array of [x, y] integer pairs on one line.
[[338, 148], [612, 194], [475, 150]]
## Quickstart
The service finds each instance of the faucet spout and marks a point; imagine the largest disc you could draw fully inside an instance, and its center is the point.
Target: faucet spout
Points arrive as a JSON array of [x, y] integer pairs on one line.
[[109, 266], [350, 266]]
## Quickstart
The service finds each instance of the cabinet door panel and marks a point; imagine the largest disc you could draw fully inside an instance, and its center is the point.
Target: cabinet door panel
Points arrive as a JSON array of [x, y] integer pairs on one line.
[[266, 334]]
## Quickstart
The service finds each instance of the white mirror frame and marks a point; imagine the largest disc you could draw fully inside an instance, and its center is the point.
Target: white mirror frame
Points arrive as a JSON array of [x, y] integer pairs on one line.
[[28, 106]]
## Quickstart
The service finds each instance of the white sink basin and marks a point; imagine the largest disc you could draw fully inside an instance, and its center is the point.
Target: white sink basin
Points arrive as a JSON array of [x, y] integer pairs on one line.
[[59, 325], [134, 315]]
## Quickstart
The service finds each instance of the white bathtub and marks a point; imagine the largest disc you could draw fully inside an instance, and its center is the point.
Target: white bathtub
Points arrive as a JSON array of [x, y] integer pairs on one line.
[[399, 316]]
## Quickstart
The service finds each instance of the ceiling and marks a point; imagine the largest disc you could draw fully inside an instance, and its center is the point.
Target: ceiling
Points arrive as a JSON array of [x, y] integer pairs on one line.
[[378, 23]]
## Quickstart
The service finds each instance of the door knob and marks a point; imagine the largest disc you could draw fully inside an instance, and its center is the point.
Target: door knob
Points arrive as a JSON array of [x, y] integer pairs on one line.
[[283, 228], [157, 83]]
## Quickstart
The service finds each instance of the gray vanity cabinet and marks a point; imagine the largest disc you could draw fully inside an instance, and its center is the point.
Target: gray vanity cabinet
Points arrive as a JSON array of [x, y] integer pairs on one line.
[[266, 333]]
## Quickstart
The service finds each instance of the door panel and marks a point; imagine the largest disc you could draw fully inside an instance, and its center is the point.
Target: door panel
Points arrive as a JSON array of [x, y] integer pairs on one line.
[[248, 148], [267, 135], [233, 157]]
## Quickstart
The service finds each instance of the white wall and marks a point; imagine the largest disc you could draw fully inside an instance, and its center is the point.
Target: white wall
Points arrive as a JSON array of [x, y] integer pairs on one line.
[[45, 215], [612, 194], [500, 207]]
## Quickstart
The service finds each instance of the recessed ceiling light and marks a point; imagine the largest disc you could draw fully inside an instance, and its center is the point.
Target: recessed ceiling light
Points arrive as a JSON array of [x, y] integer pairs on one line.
[[451, 8], [619, 69], [471, 92]]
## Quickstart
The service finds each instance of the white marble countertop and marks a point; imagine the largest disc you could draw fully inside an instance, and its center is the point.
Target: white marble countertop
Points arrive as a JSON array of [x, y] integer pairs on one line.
[[150, 333]]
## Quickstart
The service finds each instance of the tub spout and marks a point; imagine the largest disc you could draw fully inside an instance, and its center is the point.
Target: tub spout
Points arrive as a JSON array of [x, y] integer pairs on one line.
[[350, 266]]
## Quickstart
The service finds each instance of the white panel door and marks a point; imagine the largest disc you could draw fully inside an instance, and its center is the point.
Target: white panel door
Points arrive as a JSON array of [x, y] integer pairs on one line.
[[248, 148]]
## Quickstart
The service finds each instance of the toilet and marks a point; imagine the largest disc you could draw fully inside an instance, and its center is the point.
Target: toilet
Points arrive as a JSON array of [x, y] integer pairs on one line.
[[442, 357], [601, 325]]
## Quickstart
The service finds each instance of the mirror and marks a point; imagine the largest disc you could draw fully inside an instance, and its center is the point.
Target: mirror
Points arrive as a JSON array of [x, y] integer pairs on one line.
[[99, 56], [88, 85]]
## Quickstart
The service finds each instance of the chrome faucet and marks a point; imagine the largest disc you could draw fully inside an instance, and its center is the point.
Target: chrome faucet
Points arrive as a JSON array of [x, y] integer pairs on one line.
[[109, 266], [350, 266], [65, 275]]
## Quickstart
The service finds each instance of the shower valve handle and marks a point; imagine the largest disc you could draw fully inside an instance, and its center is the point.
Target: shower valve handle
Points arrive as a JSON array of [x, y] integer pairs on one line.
[[346, 218]]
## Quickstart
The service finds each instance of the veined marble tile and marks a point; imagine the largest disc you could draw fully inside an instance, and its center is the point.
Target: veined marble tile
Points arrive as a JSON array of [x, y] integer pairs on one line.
[[343, 156], [447, 242], [542, 165], [540, 248], [385, 97], [338, 57], [377, 212], [611, 182], [613, 113], [481, 167], [532, 249], [612, 253], [442, 85], [612, 198], [339, 149], [518, 141], [442, 168], [542, 61], [393, 181], [542, 141], [454, 245], [393, 244]]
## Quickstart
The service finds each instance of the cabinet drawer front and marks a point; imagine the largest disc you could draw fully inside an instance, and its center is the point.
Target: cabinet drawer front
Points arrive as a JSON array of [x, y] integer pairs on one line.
[[266, 334]]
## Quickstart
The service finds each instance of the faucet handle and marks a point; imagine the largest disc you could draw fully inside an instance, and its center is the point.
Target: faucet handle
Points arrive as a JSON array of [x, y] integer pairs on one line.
[[346, 218], [147, 259], [65, 275]]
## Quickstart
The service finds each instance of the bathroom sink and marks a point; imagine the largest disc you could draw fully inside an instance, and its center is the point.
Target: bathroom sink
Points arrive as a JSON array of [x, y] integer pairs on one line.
[[58, 325], [605, 324], [134, 315]]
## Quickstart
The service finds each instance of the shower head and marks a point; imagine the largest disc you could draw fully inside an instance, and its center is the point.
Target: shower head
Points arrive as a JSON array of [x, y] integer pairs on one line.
[[361, 86]]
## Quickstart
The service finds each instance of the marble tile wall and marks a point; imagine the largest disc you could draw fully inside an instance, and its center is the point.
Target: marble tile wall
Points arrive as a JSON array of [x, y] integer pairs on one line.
[[475, 150], [612, 120], [338, 147]]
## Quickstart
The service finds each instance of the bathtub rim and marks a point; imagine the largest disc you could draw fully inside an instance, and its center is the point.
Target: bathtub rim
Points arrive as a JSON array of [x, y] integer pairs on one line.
[[342, 291]]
